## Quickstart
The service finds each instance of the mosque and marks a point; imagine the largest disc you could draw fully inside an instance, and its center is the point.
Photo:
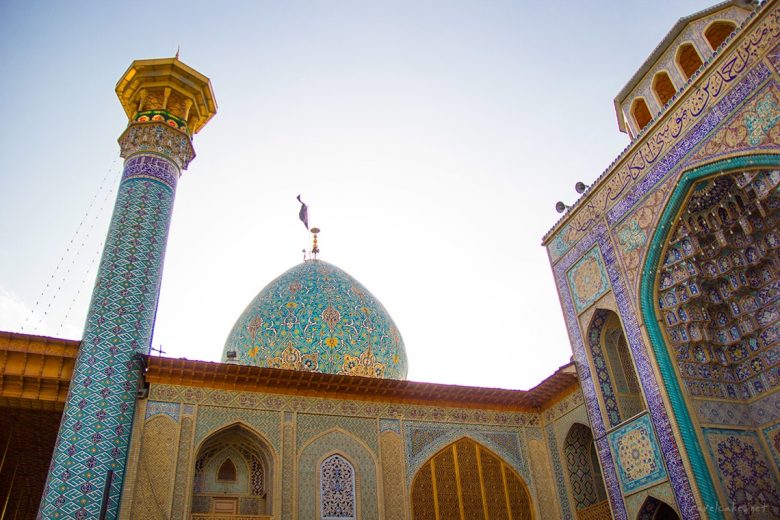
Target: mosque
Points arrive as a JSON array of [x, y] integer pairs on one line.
[[666, 269]]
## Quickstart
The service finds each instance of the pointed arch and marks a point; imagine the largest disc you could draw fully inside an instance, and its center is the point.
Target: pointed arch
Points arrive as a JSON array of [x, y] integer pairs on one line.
[[656, 509], [227, 470], [465, 480], [614, 366], [337, 441], [233, 473], [338, 499], [651, 305], [584, 472]]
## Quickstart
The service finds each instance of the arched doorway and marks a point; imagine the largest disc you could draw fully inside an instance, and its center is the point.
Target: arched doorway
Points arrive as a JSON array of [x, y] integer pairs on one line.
[[654, 509], [584, 472], [467, 481], [233, 475]]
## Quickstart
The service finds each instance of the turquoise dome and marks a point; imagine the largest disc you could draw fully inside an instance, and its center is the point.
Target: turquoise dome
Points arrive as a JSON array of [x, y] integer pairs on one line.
[[317, 318]]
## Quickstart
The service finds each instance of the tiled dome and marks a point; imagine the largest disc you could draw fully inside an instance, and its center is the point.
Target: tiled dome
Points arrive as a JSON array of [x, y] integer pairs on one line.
[[315, 317]]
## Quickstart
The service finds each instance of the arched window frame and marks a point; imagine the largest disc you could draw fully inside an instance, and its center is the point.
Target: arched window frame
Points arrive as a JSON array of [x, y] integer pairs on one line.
[[321, 487], [635, 103], [657, 94], [677, 62], [589, 453], [224, 477], [602, 363], [713, 23]]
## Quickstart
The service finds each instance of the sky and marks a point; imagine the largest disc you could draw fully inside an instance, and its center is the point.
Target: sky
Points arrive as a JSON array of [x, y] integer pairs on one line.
[[429, 139]]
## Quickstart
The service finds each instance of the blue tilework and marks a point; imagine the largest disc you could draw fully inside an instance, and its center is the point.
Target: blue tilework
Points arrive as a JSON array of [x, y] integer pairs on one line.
[[97, 420], [658, 414], [560, 483], [587, 280], [159, 408], [315, 317], [636, 452], [424, 439]]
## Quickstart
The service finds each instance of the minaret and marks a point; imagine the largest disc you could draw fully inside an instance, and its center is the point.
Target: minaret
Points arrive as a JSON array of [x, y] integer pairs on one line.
[[166, 102]]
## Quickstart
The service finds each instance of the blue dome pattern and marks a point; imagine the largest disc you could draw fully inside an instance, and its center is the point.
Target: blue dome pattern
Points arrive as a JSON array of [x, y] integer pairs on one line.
[[317, 318]]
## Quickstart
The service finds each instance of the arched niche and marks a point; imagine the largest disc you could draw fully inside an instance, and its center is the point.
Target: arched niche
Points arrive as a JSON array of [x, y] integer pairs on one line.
[[663, 87], [688, 59], [655, 509], [717, 32], [614, 367], [354, 451], [467, 481], [233, 474], [697, 355], [640, 113], [584, 473]]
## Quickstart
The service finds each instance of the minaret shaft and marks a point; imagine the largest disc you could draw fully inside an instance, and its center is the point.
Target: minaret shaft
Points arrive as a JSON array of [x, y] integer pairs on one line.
[[96, 424], [165, 100]]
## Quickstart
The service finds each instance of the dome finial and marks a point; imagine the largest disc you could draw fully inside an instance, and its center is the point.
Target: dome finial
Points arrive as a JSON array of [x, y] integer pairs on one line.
[[315, 249]]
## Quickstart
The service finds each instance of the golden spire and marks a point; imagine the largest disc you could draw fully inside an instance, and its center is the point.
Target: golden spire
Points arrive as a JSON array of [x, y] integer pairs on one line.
[[315, 249]]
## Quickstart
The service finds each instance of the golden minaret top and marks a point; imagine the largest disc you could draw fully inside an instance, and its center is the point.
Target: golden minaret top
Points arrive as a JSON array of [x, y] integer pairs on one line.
[[167, 90]]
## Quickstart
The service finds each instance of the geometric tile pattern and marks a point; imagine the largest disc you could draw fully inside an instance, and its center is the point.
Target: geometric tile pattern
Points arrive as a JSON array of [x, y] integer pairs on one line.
[[587, 280], [182, 467], [155, 468], [600, 364], [156, 408], [637, 455], [91, 450], [309, 426], [560, 483], [231, 401], [316, 317], [578, 449], [423, 440], [772, 438], [744, 472], [393, 474], [264, 423]]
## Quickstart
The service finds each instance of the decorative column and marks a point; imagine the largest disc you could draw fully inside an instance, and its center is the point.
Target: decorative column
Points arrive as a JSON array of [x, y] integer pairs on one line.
[[166, 102]]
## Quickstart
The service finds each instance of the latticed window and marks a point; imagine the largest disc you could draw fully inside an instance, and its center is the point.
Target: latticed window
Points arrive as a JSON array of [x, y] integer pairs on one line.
[[337, 489]]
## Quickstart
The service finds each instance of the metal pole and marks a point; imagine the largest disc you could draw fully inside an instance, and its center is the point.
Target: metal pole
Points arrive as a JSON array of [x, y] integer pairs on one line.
[[10, 488], [5, 451]]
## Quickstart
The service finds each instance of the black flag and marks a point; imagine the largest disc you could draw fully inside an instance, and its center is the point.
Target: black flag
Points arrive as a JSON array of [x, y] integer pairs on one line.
[[303, 214]]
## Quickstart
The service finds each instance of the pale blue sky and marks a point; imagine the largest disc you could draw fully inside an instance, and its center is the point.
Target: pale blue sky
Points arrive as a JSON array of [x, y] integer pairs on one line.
[[430, 140]]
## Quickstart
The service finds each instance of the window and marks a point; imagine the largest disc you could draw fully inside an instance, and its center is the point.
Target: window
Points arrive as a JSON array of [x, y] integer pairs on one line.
[[663, 87], [641, 113], [337, 489], [717, 33], [688, 59]]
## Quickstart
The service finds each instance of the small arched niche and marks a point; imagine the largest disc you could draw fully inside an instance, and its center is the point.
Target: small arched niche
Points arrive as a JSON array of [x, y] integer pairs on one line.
[[640, 113], [663, 87], [584, 472], [233, 472], [655, 509], [688, 59], [466, 481], [717, 32], [614, 367]]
